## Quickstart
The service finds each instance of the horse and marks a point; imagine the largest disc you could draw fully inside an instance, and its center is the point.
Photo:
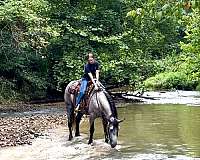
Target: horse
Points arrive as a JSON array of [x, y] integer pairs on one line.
[[101, 105]]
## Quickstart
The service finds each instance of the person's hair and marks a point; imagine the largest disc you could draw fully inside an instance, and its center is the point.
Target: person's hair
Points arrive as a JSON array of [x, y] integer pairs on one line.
[[90, 55]]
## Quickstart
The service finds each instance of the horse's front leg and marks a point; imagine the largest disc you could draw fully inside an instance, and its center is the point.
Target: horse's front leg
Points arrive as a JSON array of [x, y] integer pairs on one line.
[[70, 119], [91, 130], [78, 119], [105, 125]]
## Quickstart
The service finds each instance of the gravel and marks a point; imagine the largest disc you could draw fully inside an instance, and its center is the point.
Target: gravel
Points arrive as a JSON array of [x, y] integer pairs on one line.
[[22, 130]]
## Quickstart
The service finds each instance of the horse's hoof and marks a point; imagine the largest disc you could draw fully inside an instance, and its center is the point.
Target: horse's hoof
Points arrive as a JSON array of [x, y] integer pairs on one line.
[[90, 142], [106, 140], [76, 135], [70, 138]]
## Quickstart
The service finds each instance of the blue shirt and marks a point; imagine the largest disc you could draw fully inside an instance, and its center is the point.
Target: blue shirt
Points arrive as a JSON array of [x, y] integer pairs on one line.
[[90, 68]]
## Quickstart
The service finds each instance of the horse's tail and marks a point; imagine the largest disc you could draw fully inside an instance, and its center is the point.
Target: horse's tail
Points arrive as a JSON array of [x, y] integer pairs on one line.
[[69, 102]]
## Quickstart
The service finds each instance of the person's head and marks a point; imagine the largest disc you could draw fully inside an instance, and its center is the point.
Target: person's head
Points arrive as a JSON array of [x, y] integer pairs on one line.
[[90, 58]]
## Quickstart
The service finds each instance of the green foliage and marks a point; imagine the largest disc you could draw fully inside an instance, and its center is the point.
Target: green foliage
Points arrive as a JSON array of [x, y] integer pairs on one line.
[[69, 68], [198, 87], [44, 43], [7, 92], [23, 37], [169, 80], [187, 62]]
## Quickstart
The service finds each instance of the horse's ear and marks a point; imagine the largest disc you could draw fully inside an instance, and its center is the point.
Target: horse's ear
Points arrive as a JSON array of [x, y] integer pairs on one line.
[[119, 121]]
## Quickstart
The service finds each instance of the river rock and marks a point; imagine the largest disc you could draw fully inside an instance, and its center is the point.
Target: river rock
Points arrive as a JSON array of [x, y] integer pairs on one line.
[[22, 130]]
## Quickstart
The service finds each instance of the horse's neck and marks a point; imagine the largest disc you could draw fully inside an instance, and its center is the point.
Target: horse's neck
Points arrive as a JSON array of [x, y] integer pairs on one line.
[[105, 105]]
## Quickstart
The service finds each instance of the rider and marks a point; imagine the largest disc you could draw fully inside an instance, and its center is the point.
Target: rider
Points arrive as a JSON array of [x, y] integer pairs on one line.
[[91, 71]]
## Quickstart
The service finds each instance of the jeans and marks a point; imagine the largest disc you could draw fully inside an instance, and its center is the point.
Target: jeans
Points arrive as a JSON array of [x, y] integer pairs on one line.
[[84, 83]]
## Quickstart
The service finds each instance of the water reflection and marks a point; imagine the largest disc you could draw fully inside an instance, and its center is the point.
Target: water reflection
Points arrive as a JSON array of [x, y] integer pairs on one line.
[[161, 129]]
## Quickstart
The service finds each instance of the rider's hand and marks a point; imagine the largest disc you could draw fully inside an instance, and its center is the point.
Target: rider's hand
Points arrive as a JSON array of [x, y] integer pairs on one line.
[[97, 82]]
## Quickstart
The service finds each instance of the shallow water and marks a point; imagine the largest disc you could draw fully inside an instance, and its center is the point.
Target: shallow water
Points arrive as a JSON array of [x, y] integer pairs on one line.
[[157, 132], [168, 131], [149, 132]]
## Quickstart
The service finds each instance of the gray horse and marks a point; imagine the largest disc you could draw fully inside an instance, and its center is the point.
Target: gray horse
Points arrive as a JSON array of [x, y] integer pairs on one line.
[[100, 105]]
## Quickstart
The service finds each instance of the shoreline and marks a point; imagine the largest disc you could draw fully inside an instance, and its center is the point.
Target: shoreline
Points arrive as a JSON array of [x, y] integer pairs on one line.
[[22, 130], [148, 97]]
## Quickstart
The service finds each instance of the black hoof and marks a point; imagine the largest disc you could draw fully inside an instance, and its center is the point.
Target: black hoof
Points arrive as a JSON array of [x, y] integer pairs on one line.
[[106, 140], [78, 134], [70, 138], [90, 142]]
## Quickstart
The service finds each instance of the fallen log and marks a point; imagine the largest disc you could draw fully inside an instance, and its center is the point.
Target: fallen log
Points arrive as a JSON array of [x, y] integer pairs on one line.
[[128, 97]]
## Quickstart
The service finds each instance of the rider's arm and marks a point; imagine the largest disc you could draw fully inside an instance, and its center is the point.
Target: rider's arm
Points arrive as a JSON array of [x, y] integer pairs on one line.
[[92, 78]]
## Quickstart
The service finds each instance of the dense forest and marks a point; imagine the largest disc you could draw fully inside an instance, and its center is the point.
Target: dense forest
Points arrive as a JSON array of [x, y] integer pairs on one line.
[[149, 44]]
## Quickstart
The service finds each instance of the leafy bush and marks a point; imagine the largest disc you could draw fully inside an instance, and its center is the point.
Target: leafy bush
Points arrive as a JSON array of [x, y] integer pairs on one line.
[[198, 87], [7, 91], [169, 80]]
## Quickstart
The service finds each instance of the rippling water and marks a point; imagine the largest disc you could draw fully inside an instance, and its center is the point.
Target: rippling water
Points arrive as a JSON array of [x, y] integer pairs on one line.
[[149, 132]]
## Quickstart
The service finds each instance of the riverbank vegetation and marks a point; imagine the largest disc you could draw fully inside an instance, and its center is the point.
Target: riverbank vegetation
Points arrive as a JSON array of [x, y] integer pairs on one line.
[[146, 44]]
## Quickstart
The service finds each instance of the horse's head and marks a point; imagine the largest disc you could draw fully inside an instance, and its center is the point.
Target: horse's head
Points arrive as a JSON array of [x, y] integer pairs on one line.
[[113, 129]]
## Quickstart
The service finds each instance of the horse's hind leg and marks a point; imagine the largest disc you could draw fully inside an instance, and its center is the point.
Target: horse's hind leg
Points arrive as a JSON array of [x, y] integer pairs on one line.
[[78, 119], [91, 130], [70, 120]]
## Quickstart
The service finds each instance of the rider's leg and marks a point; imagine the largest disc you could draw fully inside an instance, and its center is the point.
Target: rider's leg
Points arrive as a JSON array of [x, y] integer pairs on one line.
[[84, 83]]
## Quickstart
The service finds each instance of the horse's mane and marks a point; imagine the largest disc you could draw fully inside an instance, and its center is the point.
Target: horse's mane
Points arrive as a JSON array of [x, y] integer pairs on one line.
[[112, 104]]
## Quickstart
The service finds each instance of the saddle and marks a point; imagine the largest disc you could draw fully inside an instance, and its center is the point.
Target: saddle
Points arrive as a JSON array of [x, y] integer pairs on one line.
[[75, 89]]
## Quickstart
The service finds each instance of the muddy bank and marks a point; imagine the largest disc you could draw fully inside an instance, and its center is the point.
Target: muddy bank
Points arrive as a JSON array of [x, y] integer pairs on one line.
[[22, 130], [21, 123]]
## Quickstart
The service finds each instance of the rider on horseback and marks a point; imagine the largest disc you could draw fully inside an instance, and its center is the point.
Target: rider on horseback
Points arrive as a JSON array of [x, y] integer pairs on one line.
[[91, 71]]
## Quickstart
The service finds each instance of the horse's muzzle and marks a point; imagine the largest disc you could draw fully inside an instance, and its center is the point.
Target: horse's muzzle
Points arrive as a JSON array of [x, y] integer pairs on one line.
[[113, 144]]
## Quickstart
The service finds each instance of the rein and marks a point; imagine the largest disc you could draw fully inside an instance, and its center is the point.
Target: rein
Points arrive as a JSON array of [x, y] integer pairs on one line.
[[97, 99]]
